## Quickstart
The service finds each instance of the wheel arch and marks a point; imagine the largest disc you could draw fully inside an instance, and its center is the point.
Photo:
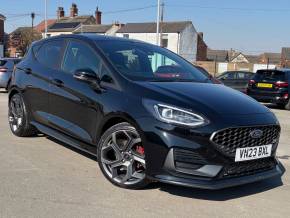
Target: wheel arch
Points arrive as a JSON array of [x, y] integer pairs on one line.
[[12, 92], [113, 119]]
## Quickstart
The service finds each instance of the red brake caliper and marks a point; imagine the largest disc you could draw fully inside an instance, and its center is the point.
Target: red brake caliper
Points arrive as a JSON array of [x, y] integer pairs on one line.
[[140, 149]]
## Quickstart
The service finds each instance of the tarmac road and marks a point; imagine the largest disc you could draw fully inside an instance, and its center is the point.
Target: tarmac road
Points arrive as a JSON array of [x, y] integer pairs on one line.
[[40, 177]]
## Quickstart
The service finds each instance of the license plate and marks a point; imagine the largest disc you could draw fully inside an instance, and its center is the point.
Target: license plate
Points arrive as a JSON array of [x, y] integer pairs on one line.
[[265, 85], [252, 153]]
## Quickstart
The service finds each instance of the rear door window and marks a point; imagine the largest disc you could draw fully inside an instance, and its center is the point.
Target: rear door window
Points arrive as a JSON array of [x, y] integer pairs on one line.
[[50, 54], [80, 56], [230, 75], [272, 76]]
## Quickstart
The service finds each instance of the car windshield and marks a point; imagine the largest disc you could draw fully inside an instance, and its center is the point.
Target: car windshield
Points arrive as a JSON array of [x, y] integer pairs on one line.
[[270, 75], [144, 62]]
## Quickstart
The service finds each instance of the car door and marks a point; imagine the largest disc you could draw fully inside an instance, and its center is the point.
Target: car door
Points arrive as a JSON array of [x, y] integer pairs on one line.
[[38, 68], [242, 79], [71, 106], [229, 79]]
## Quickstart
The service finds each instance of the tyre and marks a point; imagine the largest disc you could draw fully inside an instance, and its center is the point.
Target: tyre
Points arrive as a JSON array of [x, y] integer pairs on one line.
[[19, 118], [121, 157]]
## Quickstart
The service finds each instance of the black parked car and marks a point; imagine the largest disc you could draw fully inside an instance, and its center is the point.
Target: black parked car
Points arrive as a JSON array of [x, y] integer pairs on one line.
[[271, 86], [236, 79], [6, 68], [146, 113]]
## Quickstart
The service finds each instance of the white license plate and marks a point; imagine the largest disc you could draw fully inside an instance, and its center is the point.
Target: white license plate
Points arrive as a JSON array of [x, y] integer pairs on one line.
[[252, 153]]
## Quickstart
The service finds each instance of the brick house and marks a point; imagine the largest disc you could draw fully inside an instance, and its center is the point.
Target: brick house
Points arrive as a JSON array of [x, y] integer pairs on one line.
[[270, 58], [201, 54], [285, 57], [67, 25], [14, 39]]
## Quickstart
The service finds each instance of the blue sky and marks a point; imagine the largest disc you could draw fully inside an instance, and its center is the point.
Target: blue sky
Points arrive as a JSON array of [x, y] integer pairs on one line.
[[251, 26]]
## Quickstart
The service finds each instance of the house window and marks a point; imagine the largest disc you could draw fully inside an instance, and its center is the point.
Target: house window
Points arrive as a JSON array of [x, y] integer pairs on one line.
[[126, 36], [164, 40]]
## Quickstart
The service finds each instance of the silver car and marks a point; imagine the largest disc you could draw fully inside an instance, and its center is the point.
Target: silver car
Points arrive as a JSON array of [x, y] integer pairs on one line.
[[6, 69]]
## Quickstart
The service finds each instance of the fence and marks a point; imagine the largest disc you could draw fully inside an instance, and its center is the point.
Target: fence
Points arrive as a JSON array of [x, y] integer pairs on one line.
[[216, 68]]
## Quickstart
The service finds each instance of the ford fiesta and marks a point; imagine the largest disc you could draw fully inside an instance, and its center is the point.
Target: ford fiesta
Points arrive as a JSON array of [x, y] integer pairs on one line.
[[146, 113]]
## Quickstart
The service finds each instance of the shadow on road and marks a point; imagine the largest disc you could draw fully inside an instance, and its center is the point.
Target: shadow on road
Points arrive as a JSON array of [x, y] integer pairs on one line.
[[224, 194], [212, 195]]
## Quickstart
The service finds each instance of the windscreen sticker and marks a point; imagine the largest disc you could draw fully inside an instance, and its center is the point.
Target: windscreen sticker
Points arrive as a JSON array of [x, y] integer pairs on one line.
[[75, 51]]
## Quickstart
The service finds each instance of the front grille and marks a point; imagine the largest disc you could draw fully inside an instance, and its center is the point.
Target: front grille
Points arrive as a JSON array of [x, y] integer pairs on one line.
[[248, 168], [228, 140], [188, 156]]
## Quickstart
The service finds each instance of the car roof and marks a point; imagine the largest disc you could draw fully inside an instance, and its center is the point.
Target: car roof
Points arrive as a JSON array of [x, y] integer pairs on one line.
[[285, 70], [237, 71], [9, 59], [90, 37]]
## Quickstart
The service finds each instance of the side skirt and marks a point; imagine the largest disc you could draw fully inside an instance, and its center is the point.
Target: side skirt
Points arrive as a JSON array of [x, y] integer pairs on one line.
[[90, 149]]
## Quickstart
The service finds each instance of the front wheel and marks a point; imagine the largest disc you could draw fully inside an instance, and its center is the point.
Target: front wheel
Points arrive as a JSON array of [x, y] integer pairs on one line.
[[121, 157]]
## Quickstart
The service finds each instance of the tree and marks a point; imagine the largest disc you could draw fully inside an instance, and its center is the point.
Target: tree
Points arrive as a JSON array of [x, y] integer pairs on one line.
[[22, 38]]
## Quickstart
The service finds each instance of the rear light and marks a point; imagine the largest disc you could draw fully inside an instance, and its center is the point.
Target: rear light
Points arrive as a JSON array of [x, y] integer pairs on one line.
[[251, 82], [286, 96], [3, 69], [281, 84]]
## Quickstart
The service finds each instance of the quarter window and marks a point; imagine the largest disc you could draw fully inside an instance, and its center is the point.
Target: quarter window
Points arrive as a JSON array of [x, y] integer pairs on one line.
[[79, 56]]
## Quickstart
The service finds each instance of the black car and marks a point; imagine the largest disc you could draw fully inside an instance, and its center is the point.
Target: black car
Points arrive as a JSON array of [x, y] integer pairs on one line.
[[236, 79], [146, 113], [271, 86], [6, 68]]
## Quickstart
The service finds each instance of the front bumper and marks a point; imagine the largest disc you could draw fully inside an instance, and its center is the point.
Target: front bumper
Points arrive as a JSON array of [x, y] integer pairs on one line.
[[278, 171], [208, 163]]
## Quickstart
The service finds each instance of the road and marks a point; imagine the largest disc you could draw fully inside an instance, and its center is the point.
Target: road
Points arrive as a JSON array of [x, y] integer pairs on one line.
[[40, 177]]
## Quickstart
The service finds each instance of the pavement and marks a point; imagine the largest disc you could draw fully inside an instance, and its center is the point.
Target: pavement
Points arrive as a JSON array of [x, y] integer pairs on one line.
[[40, 177]]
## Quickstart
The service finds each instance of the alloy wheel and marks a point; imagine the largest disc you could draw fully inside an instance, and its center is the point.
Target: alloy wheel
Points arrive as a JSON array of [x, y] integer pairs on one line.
[[16, 113], [123, 157]]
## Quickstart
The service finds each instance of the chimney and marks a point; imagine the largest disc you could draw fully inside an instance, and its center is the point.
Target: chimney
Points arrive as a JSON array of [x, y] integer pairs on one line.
[[200, 35], [98, 15], [60, 12], [74, 10]]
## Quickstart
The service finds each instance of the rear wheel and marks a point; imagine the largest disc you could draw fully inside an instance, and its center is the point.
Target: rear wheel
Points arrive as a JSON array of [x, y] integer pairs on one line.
[[18, 117], [121, 157]]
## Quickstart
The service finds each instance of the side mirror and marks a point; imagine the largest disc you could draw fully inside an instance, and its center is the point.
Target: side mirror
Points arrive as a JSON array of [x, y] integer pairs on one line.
[[88, 76]]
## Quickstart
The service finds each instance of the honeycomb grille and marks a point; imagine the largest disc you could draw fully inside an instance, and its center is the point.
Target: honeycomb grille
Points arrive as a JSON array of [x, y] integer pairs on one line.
[[248, 168], [228, 140], [187, 156]]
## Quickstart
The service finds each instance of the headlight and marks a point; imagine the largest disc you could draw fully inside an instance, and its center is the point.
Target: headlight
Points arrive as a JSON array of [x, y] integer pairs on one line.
[[178, 116], [174, 115]]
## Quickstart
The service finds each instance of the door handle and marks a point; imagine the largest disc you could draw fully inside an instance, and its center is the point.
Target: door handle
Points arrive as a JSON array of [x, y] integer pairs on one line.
[[27, 70], [57, 82]]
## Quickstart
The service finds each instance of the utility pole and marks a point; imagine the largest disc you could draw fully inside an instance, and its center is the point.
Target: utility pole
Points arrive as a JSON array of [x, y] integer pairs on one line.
[[45, 19], [161, 22], [268, 60], [158, 23], [32, 20]]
